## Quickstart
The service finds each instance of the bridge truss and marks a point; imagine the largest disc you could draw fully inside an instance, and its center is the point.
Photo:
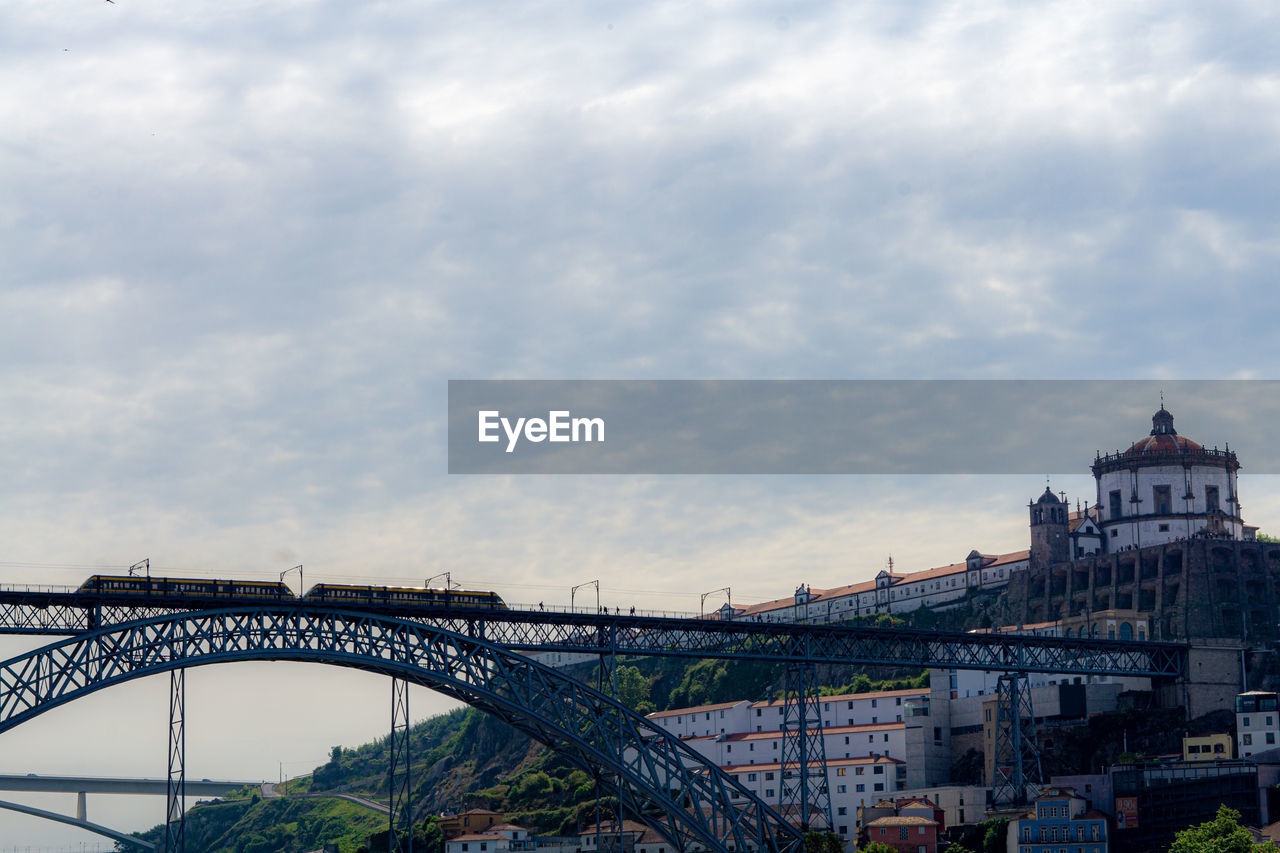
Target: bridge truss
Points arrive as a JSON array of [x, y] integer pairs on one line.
[[509, 635], [682, 795]]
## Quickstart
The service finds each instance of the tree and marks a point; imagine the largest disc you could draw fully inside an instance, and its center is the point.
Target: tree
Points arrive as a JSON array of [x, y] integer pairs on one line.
[[877, 847], [633, 689], [957, 847], [822, 842], [994, 839], [1223, 834]]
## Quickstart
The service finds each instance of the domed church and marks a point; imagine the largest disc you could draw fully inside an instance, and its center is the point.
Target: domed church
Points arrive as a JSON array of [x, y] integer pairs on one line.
[[1166, 487], [1163, 546]]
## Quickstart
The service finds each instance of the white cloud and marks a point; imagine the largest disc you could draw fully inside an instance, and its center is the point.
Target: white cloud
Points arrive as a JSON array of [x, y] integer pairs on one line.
[[244, 245]]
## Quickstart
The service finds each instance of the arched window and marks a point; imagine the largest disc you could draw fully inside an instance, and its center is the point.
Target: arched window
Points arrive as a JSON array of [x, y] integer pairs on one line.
[[1126, 631]]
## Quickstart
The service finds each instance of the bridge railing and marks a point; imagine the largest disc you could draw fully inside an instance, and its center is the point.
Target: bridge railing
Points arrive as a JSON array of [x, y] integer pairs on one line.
[[584, 610], [35, 587]]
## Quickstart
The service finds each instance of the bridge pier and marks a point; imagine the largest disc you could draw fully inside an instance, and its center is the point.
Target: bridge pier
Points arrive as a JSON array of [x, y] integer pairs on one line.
[[175, 799], [803, 760], [82, 806], [1017, 763], [400, 816]]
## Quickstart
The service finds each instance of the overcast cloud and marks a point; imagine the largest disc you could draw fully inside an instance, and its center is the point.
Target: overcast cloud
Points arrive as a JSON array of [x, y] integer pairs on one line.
[[244, 246]]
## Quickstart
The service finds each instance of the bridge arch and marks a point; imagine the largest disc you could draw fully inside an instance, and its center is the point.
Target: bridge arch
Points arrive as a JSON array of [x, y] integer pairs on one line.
[[684, 796]]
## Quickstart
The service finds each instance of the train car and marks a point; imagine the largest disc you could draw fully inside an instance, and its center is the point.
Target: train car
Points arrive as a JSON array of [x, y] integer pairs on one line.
[[130, 586], [403, 596]]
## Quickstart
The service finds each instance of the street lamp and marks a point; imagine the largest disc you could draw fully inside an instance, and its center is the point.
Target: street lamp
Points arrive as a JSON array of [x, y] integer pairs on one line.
[[706, 595], [574, 591], [302, 583]]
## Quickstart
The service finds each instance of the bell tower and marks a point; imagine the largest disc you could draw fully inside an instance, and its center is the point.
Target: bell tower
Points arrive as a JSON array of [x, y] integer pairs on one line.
[[1050, 542]]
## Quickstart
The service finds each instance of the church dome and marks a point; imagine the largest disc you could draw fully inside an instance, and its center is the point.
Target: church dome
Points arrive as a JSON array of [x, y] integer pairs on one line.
[[1162, 440], [1048, 497]]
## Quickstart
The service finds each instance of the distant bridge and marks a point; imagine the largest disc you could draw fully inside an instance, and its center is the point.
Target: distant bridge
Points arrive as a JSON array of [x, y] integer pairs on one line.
[[114, 785]]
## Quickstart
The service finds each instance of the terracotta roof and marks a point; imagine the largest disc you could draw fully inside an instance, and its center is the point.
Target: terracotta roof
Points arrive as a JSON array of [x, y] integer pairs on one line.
[[775, 604], [480, 811], [480, 837], [612, 826], [1155, 445], [1014, 629], [917, 801], [697, 709], [903, 820], [831, 762], [1011, 557], [845, 697], [509, 827], [776, 734], [1078, 517], [1055, 793], [937, 572], [848, 589]]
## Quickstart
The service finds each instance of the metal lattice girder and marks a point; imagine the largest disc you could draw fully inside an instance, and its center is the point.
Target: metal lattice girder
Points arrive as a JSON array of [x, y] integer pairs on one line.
[[682, 795], [597, 634], [400, 816], [1017, 761], [803, 761], [175, 795]]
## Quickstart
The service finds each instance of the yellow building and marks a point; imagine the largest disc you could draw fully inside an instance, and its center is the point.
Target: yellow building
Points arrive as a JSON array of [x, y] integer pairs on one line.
[[1207, 747]]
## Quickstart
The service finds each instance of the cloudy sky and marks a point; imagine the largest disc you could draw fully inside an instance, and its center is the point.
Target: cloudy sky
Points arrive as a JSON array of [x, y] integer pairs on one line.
[[246, 244]]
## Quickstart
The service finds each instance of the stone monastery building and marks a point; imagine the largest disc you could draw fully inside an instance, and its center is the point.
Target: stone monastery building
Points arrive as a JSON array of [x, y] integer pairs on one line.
[[1165, 525]]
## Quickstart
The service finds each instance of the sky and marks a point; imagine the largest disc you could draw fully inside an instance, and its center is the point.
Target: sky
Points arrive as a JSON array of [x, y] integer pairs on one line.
[[245, 245]]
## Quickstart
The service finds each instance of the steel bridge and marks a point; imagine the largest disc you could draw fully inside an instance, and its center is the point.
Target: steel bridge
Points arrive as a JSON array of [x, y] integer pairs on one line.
[[480, 656]]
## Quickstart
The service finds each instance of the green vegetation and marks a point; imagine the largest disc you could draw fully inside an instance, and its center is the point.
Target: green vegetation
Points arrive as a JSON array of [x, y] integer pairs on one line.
[[1223, 834], [822, 842], [877, 847], [993, 838], [862, 684]]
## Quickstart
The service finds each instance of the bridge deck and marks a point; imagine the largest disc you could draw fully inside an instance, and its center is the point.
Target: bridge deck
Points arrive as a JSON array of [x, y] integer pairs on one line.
[[47, 611]]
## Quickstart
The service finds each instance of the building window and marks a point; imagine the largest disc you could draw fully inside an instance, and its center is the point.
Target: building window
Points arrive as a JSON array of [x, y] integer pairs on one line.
[[843, 810], [1163, 502], [904, 833], [1114, 511], [1248, 740], [1163, 528], [1271, 737], [1211, 498]]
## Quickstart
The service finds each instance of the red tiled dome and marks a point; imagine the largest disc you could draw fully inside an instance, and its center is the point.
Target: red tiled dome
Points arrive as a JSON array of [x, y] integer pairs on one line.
[[1163, 439]]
